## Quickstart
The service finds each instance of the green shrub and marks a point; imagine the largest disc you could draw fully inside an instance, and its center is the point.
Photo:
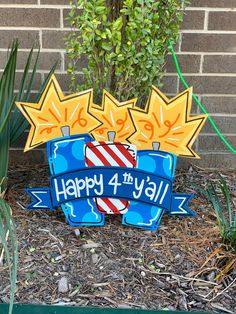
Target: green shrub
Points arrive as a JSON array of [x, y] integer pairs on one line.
[[125, 43]]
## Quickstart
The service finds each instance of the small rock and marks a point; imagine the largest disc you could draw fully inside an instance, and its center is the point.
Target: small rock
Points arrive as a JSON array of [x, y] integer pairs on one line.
[[160, 265], [94, 258], [66, 268], [5, 299], [184, 284], [148, 232], [103, 256], [91, 245], [77, 233], [63, 285], [211, 276], [183, 303], [160, 284], [143, 274], [58, 258], [124, 306]]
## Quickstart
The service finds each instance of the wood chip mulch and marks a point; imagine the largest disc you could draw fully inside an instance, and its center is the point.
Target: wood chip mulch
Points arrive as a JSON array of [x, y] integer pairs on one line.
[[182, 266]]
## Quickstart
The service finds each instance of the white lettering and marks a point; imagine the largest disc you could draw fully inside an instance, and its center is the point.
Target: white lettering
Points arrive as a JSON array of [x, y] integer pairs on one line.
[[62, 192], [164, 193], [150, 191], [71, 188], [159, 191], [138, 187], [99, 183], [80, 184], [114, 181]]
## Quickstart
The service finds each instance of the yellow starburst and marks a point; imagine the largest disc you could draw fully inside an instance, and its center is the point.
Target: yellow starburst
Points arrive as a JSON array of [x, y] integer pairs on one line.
[[55, 111], [113, 116], [167, 122]]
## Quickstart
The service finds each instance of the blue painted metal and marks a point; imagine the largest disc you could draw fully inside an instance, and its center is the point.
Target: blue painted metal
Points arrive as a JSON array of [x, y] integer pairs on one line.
[[67, 154]]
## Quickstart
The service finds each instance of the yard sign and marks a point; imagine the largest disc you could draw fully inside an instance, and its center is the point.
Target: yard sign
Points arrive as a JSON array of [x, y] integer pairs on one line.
[[114, 158]]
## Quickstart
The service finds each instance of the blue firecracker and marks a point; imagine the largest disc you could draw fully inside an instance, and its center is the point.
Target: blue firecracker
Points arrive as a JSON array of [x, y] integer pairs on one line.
[[67, 154], [143, 215]]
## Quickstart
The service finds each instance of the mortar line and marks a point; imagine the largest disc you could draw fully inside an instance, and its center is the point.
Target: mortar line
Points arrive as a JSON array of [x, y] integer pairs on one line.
[[201, 63], [62, 62], [211, 9], [206, 18], [61, 18], [207, 53], [34, 6], [208, 74], [40, 39], [203, 31]]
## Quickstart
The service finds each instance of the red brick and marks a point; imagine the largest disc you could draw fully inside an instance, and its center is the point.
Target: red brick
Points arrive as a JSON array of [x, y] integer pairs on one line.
[[18, 1], [169, 84], [26, 38], [208, 42], [213, 3], [187, 63], [224, 21], [193, 20], [213, 143], [217, 104], [45, 61], [54, 39], [211, 84], [219, 64], [29, 17], [212, 160], [226, 125]]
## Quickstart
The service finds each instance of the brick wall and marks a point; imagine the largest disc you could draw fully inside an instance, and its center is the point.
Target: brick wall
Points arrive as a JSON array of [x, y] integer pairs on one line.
[[207, 55]]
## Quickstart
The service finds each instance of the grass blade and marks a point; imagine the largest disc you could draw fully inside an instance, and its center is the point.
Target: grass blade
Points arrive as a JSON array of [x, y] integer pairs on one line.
[[226, 218], [7, 226]]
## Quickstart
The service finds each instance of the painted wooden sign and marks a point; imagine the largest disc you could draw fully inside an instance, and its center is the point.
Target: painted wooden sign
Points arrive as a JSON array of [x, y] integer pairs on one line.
[[112, 159]]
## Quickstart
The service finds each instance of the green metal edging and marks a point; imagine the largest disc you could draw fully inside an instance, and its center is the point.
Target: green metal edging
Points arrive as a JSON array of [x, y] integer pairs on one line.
[[52, 309]]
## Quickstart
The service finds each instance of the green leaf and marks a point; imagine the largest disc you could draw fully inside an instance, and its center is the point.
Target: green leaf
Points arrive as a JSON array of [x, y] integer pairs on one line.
[[7, 227], [107, 46], [117, 24]]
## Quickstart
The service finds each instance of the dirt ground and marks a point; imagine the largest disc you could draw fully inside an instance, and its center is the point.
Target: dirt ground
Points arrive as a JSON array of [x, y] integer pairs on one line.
[[182, 266]]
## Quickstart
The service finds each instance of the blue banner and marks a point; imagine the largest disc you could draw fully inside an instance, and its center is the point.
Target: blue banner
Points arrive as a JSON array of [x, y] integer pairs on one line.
[[115, 182]]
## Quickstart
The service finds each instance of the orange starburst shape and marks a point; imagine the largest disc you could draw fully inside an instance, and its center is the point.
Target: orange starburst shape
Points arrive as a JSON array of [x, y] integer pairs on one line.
[[113, 116], [55, 112], [167, 122]]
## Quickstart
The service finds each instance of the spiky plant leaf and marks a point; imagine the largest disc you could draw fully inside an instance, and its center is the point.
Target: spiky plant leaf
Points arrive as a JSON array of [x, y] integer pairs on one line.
[[225, 214], [7, 228]]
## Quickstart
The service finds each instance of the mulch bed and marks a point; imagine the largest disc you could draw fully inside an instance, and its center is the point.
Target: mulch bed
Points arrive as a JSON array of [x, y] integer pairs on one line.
[[182, 266]]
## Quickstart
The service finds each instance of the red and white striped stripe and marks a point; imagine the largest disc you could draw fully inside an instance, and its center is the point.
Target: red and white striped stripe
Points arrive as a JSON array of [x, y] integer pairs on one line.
[[110, 154]]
